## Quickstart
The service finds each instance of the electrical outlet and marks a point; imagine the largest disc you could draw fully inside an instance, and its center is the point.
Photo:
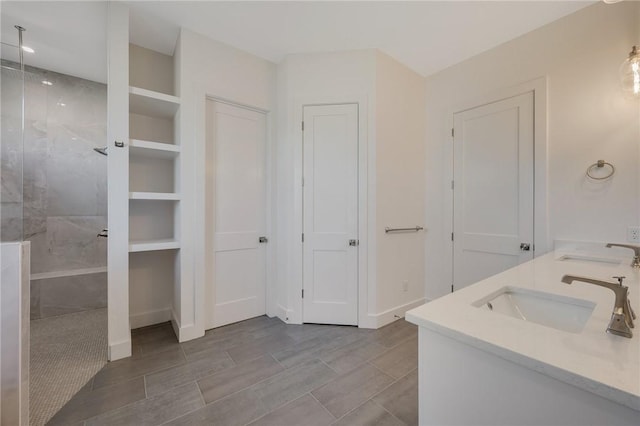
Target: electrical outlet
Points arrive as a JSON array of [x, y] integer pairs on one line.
[[633, 234], [405, 286]]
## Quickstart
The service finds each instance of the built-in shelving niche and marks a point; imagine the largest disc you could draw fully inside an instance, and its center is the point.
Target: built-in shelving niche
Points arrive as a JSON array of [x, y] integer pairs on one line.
[[154, 193], [152, 275]]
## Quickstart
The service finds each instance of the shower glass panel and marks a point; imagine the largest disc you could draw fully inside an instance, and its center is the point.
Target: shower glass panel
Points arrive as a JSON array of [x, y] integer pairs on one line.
[[11, 151]]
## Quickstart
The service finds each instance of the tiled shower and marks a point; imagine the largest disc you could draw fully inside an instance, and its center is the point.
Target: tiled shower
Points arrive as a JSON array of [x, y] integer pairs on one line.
[[62, 188]]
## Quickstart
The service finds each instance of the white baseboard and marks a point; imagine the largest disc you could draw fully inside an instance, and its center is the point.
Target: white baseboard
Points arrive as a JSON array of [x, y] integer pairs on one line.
[[144, 319], [285, 314], [390, 315], [185, 333], [120, 350]]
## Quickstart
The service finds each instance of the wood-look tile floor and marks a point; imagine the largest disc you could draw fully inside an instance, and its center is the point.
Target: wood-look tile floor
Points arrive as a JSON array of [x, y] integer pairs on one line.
[[257, 372]]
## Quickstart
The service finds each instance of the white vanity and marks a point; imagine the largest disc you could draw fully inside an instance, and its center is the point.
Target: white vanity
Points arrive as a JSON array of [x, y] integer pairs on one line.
[[523, 348]]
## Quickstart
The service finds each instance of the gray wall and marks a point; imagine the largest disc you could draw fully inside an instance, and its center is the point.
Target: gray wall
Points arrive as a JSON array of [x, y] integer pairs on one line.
[[11, 155], [64, 189]]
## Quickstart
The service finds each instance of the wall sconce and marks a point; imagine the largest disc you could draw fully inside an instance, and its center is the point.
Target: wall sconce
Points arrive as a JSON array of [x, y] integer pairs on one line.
[[630, 74]]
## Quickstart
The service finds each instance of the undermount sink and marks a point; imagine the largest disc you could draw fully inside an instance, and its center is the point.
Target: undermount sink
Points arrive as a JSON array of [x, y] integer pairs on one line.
[[582, 258], [550, 310]]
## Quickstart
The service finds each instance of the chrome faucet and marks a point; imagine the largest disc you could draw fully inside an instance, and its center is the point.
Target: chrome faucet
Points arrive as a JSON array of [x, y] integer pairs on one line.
[[622, 317], [636, 250]]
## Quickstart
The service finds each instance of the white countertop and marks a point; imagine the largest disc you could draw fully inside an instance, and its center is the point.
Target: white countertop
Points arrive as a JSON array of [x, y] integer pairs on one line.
[[593, 360]]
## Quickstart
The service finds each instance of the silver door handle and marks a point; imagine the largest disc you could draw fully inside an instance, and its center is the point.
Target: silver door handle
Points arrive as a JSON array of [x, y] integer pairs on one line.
[[354, 243], [525, 246], [263, 240]]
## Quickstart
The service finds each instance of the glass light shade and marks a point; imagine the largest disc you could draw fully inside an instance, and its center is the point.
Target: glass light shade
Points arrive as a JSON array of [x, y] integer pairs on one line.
[[630, 74]]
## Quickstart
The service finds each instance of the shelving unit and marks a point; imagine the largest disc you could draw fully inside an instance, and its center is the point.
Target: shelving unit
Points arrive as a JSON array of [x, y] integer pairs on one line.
[[152, 104], [154, 188], [150, 149], [153, 245], [166, 196]]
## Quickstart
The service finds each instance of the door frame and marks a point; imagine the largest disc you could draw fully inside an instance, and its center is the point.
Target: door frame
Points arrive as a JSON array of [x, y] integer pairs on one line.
[[296, 316], [269, 216], [541, 239]]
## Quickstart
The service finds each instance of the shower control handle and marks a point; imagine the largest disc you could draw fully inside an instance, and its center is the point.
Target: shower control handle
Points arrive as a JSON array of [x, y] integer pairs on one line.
[[119, 144]]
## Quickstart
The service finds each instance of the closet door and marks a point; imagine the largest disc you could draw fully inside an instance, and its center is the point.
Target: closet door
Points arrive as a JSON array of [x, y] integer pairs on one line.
[[238, 137], [330, 218]]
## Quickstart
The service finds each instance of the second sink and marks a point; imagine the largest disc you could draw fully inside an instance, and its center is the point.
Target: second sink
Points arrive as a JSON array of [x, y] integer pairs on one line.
[[550, 310]]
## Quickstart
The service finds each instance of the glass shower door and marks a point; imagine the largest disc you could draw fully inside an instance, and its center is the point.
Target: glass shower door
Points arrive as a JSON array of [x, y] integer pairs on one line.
[[11, 152]]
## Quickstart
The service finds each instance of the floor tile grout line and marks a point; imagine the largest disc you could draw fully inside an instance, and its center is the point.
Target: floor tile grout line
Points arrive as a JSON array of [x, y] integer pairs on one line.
[[244, 388], [387, 411], [394, 381], [329, 367], [276, 360], [282, 404], [160, 369], [189, 412], [144, 385], [322, 405], [136, 402]]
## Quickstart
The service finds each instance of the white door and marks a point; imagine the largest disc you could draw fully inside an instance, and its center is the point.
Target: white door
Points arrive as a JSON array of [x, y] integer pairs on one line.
[[330, 214], [239, 209], [493, 189]]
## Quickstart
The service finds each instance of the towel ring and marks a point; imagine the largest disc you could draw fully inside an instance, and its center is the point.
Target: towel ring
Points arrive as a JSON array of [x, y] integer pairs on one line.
[[598, 165]]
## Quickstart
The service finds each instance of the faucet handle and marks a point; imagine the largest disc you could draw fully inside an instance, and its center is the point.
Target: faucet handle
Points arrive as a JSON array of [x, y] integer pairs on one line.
[[620, 279]]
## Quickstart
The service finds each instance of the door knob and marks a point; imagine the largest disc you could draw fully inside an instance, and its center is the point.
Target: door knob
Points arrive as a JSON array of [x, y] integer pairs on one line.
[[263, 239], [525, 246], [354, 243]]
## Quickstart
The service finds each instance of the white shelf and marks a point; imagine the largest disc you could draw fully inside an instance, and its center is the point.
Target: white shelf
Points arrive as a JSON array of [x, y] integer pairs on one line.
[[153, 104], [150, 149], [154, 245], [169, 196]]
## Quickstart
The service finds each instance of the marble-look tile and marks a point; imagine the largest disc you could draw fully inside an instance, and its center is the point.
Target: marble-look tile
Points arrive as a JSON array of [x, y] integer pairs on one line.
[[34, 311], [71, 174], [10, 221], [11, 162], [35, 178], [76, 293], [69, 243]]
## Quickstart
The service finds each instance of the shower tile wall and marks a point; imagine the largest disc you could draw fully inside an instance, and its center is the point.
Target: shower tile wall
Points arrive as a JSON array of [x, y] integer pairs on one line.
[[11, 155], [65, 191]]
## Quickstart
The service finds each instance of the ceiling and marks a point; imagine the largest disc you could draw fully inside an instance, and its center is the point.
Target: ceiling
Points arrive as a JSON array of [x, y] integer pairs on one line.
[[69, 37], [427, 36]]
